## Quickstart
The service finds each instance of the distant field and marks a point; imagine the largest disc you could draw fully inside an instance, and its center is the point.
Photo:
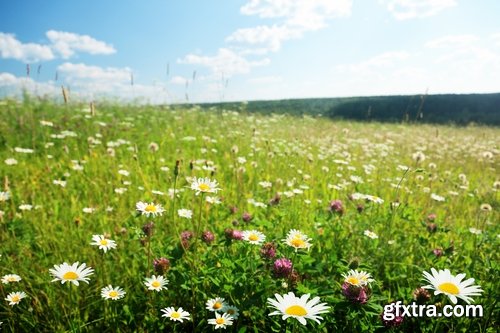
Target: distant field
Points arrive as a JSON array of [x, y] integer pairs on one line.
[[390, 200]]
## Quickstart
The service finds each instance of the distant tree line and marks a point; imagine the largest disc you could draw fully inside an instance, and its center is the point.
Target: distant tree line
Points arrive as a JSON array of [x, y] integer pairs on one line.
[[460, 109]]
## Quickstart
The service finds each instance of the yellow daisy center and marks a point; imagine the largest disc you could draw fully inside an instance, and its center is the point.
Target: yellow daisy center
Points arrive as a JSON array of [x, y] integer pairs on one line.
[[150, 208], [104, 242], [11, 279], [253, 237], [296, 310], [203, 187], [155, 284], [70, 276], [217, 305], [449, 288], [220, 321], [175, 315], [297, 242], [15, 299], [113, 293], [352, 280]]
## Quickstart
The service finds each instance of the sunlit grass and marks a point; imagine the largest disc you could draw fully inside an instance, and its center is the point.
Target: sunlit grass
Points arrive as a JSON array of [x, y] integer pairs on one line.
[[86, 173]]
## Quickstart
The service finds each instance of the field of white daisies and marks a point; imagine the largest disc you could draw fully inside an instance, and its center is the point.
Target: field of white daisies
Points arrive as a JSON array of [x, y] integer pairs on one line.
[[149, 219]]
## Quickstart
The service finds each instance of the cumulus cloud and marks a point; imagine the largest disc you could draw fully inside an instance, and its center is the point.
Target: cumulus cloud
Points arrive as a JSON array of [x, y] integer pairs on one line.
[[11, 48], [409, 9], [295, 17], [225, 61], [66, 44], [383, 60], [81, 71]]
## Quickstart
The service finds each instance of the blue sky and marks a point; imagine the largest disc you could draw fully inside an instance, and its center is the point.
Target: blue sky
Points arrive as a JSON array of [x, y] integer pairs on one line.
[[226, 50]]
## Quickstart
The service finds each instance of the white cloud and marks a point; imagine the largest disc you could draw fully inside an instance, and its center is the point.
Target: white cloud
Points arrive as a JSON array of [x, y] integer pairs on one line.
[[14, 86], [73, 72], [67, 43], [297, 17], [453, 41], [409, 9], [225, 61], [180, 80], [271, 36], [11, 48]]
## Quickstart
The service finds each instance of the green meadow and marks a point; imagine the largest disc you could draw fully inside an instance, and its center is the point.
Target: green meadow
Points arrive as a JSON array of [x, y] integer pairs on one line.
[[371, 207]]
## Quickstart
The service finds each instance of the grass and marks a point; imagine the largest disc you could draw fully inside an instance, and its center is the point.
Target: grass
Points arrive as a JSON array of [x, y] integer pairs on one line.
[[308, 161]]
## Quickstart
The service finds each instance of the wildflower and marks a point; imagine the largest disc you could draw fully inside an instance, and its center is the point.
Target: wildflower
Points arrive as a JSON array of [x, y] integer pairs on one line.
[[124, 173], [246, 217], [186, 235], [148, 228], [104, 243], [9, 278], [221, 321], [215, 304], [253, 236], [161, 265], [213, 200], [4, 196], [11, 161], [266, 184], [15, 297], [88, 210], [300, 308], [418, 156], [443, 282], [486, 207], [431, 227], [186, 213], [156, 283], [153, 146], [421, 295], [437, 252], [175, 315], [112, 293], [356, 286], [336, 206], [25, 207], [297, 240], [475, 231], [282, 268], [370, 234], [268, 250], [73, 273], [204, 185], [232, 311], [431, 217], [436, 197], [149, 208], [59, 182], [207, 236]]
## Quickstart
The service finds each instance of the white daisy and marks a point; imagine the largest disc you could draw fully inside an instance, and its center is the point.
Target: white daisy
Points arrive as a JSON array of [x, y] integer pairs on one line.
[[112, 293], [231, 310], [15, 297], [443, 282], [204, 185], [253, 236], [103, 243], [356, 278], [297, 240], [4, 196], [11, 161], [156, 283], [216, 304], [175, 315], [25, 207], [9, 278], [475, 231], [186, 213], [72, 273], [149, 208], [436, 197], [221, 321], [289, 305], [370, 234]]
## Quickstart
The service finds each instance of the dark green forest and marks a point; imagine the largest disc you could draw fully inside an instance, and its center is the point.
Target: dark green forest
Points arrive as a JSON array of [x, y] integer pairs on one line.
[[441, 109]]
